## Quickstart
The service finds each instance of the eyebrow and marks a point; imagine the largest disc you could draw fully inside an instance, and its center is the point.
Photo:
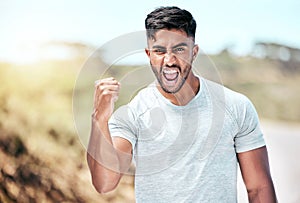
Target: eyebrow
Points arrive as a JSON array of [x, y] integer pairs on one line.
[[180, 45], [177, 45]]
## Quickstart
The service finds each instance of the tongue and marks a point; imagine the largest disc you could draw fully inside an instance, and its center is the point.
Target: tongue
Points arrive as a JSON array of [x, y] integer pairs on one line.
[[171, 76]]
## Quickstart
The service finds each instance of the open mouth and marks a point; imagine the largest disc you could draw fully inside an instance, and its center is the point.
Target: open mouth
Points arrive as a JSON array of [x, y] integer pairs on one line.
[[170, 74]]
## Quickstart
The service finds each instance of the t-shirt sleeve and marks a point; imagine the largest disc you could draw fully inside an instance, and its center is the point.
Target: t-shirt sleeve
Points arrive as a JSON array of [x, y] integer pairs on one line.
[[249, 136], [123, 124]]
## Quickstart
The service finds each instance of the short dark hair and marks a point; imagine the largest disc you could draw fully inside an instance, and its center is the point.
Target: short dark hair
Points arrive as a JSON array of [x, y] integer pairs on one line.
[[170, 17]]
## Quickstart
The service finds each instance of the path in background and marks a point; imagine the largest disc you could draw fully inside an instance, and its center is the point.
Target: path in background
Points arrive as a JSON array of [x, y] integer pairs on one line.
[[283, 142]]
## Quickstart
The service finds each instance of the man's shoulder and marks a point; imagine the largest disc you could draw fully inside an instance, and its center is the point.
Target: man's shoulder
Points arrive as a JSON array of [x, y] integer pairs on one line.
[[226, 99], [224, 94]]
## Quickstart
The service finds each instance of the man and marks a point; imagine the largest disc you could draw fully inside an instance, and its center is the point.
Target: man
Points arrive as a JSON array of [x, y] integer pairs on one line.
[[186, 134]]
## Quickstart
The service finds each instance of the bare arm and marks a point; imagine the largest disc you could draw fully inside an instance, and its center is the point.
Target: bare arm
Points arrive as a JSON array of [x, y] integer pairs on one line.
[[107, 158], [255, 170]]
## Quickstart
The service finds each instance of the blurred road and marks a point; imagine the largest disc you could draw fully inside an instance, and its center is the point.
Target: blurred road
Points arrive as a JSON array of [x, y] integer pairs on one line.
[[283, 142]]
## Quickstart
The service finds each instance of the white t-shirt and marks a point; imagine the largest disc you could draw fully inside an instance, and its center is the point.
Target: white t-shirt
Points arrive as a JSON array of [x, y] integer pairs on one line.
[[188, 153]]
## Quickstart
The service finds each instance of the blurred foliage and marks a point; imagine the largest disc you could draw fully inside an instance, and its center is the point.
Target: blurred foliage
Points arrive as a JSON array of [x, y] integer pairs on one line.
[[272, 85], [42, 159]]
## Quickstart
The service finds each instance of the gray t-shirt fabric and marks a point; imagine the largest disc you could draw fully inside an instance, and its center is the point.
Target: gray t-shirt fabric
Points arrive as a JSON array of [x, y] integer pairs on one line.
[[188, 153]]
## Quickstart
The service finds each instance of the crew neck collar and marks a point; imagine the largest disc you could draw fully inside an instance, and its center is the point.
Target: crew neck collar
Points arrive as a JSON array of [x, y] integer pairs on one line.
[[169, 103]]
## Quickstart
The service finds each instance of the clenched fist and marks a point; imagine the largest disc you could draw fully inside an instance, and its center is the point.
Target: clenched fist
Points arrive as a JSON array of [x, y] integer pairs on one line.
[[106, 93]]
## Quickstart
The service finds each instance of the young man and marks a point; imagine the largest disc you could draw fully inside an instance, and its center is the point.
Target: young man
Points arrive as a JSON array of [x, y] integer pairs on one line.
[[186, 134]]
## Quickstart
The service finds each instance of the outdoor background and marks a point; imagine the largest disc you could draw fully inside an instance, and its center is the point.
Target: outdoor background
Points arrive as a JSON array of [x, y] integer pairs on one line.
[[250, 46]]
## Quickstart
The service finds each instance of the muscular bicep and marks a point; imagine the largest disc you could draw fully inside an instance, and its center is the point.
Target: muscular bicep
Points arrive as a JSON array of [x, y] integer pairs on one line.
[[255, 170], [254, 166], [124, 151]]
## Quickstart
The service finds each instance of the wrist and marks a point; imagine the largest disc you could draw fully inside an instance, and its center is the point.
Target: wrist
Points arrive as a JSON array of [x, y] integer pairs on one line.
[[99, 119]]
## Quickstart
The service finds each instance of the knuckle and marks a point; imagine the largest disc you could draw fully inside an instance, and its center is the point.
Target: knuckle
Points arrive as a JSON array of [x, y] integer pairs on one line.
[[101, 83], [105, 92], [102, 88]]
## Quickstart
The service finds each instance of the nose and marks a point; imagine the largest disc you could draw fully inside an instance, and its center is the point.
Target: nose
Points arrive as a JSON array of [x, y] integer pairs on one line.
[[169, 58]]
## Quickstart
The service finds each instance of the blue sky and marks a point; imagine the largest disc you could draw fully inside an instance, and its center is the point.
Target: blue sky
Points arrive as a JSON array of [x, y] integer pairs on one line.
[[26, 24]]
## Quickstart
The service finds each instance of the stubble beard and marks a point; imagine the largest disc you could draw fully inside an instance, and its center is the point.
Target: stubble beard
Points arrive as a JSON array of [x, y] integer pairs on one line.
[[181, 79]]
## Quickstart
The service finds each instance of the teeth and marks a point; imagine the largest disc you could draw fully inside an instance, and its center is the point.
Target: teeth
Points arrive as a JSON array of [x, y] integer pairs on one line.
[[170, 71]]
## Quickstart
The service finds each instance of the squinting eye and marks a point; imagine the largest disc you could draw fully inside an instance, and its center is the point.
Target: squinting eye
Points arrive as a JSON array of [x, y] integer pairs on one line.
[[159, 51], [179, 50]]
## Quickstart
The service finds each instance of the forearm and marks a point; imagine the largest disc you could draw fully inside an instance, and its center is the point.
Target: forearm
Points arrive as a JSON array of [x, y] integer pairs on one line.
[[107, 159], [103, 158]]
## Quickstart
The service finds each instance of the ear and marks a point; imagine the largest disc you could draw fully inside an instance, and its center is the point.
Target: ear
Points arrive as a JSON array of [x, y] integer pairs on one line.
[[195, 51], [147, 51]]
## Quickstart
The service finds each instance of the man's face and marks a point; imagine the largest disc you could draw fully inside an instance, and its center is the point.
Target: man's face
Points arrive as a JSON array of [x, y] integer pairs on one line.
[[171, 53]]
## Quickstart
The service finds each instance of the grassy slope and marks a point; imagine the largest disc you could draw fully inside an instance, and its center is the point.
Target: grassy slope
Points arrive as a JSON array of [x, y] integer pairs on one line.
[[38, 138]]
